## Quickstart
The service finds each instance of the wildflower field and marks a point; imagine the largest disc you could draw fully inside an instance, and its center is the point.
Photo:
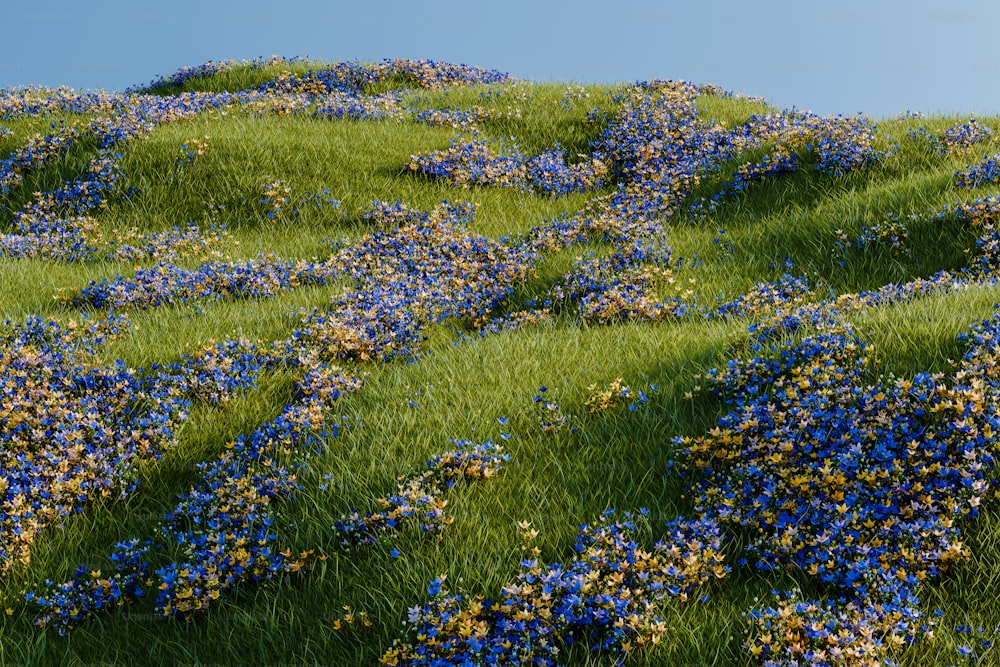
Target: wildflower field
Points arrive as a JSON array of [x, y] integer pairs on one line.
[[416, 363]]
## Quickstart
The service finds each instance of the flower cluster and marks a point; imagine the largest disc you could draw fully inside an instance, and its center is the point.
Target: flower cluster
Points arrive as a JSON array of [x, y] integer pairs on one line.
[[96, 425], [71, 430], [783, 319], [167, 283], [88, 592], [926, 139], [211, 374], [351, 620], [573, 95], [39, 100], [987, 171], [185, 74], [982, 216], [436, 74], [356, 79], [420, 273], [418, 499], [838, 632], [624, 286], [386, 215], [223, 524], [841, 145], [516, 320], [215, 373], [656, 146], [278, 204], [838, 145], [359, 107], [602, 400], [629, 295], [764, 298], [893, 234], [275, 196], [466, 163], [858, 484], [773, 164], [193, 150], [283, 104], [168, 246], [465, 119], [375, 325], [658, 150], [606, 598], [549, 173], [961, 137]]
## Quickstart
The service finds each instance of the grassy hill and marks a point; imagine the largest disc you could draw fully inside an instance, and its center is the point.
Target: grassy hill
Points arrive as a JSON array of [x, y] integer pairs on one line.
[[411, 362]]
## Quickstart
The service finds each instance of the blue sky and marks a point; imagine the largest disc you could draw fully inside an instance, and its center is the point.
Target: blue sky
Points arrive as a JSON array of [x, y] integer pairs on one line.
[[878, 57]]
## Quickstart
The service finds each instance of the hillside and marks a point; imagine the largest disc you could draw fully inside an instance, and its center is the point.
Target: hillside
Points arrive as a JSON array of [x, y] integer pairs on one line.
[[418, 363]]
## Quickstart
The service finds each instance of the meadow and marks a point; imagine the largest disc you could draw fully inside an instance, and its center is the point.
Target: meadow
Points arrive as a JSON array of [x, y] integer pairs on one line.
[[415, 363]]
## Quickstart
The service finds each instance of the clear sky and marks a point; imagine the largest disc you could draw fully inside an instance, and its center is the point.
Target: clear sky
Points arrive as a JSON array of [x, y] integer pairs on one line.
[[878, 57]]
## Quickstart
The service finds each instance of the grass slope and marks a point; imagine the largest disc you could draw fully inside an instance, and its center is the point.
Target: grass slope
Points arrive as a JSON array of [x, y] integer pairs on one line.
[[462, 384]]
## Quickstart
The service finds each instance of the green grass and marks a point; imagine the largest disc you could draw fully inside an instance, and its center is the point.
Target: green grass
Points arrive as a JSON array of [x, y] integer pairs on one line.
[[533, 116], [240, 76], [407, 413], [356, 162]]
